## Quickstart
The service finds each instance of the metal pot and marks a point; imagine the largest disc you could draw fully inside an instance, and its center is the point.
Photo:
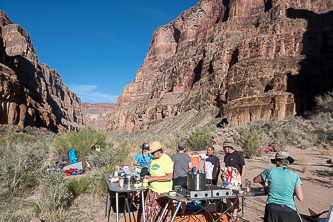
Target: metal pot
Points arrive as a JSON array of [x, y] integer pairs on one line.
[[128, 180], [196, 181]]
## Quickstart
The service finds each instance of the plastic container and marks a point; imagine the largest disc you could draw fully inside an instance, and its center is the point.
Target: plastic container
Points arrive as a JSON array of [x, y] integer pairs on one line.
[[247, 186], [145, 182], [121, 182], [195, 160]]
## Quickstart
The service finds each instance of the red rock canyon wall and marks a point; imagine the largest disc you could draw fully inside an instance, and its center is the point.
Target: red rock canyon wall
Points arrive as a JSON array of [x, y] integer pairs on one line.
[[240, 60], [30, 92]]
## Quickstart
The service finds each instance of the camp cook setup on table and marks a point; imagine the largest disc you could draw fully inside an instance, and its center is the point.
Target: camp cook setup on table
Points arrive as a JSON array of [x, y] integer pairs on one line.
[[197, 194]]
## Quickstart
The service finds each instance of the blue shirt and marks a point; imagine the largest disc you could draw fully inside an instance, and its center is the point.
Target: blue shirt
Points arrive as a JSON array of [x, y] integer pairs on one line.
[[144, 161], [281, 186]]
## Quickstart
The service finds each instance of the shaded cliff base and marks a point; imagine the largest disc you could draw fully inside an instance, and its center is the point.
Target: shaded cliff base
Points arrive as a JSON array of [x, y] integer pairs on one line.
[[6, 130]]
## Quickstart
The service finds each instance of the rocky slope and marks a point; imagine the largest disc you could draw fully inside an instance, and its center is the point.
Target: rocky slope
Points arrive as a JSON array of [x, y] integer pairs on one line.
[[32, 94], [96, 114], [233, 61]]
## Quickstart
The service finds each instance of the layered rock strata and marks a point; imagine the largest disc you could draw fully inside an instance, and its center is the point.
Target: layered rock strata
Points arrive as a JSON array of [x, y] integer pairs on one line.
[[96, 114], [32, 94], [238, 60]]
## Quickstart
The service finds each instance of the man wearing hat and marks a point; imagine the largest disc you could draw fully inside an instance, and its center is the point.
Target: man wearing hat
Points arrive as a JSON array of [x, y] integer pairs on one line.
[[282, 185], [234, 158], [160, 181]]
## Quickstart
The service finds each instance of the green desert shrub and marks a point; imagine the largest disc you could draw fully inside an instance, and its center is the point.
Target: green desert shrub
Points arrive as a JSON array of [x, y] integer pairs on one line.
[[78, 186], [197, 140], [249, 141], [324, 103], [103, 186], [13, 210], [54, 197], [81, 141], [105, 160], [20, 161], [321, 120], [107, 157]]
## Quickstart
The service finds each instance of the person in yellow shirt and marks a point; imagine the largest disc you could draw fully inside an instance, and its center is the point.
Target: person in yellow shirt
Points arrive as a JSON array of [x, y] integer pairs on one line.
[[160, 181]]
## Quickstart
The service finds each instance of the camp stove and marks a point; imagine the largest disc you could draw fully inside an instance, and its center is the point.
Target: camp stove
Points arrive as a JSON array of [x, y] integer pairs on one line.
[[210, 192], [198, 194], [220, 191]]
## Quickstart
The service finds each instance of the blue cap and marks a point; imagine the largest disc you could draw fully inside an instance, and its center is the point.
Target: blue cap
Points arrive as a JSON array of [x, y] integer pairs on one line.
[[182, 145]]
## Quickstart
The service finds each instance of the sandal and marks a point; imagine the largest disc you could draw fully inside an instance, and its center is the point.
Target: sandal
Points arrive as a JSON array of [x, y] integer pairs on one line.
[[182, 216], [233, 219]]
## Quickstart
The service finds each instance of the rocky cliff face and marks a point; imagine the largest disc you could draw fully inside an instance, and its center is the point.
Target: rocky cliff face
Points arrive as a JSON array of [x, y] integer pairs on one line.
[[96, 114], [30, 92], [238, 60]]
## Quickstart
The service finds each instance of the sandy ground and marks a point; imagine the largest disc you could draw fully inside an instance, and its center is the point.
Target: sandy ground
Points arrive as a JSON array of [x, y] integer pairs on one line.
[[310, 165], [316, 176]]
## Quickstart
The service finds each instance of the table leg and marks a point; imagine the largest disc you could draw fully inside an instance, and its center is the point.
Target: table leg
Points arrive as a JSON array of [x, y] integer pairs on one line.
[[165, 208], [174, 215], [128, 207], [143, 205], [243, 206], [117, 206], [108, 206]]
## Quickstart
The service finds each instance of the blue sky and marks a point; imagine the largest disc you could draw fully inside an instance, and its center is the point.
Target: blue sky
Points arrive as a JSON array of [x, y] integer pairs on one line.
[[96, 46]]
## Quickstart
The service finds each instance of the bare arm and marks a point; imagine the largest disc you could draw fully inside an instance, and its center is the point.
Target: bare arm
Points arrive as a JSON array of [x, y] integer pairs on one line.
[[243, 173], [167, 177], [218, 169], [299, 192], [258, 179], [190, 165], [135, 162]]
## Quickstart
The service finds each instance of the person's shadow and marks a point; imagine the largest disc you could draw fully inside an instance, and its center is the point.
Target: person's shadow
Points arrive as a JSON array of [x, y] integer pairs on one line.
[[315, 77]]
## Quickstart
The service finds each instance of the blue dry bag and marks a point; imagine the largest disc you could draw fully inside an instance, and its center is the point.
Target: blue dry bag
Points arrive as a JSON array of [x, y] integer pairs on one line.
[[72, 156]]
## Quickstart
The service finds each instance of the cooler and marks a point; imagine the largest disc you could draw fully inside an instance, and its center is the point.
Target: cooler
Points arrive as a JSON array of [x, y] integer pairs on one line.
[[195, 159]]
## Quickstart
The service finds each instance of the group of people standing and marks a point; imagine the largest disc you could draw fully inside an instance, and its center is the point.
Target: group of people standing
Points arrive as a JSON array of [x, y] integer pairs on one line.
[[165, 172]]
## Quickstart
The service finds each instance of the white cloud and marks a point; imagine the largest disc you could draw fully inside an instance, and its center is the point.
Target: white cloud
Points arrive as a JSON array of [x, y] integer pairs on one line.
[[90, 94]]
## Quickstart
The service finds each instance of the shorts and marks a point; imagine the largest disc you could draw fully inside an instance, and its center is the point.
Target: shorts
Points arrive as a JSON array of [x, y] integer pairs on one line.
[[279, 213]]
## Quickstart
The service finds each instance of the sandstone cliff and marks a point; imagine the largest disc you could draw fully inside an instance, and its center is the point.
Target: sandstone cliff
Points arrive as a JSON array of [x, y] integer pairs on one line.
[[32, 94], [231, 60], [96, 114]]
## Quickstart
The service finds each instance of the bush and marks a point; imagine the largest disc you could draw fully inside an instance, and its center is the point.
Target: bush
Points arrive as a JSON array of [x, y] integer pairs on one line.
[[249, 141], [197, 139], [107, 157], [77, 187], [54, 197], [324, 103], [82, 141], [21, 158], [16, 210], [105, 160]]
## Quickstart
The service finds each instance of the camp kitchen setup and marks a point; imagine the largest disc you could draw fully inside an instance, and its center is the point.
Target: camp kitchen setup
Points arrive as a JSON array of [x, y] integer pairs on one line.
[[203, 195], [127, 182], [124, 181]]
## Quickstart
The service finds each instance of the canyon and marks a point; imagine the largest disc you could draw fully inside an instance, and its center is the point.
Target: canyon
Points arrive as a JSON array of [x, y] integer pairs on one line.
[[95, 114], [219, 62], [231, 62], [31, 93]]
